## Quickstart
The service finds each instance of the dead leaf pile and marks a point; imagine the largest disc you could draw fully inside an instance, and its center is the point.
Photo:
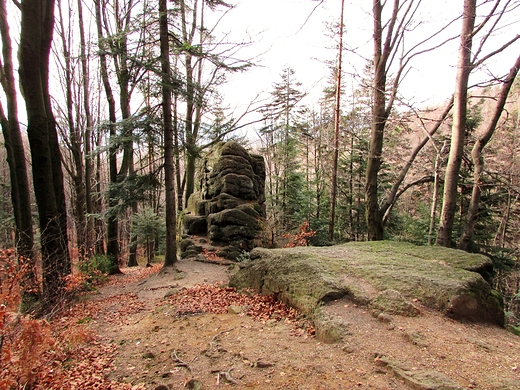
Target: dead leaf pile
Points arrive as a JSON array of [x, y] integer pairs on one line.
[[215, 298]]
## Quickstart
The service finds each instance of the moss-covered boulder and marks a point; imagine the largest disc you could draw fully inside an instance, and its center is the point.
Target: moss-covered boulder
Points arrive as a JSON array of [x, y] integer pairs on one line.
[[386, 276]]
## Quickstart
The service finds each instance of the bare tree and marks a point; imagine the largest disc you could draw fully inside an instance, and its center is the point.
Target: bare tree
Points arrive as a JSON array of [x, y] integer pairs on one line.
[[388, 37], [391, 53], [466, 64], [113, 250], [459, 125], [74, 137], [478, 160], [89, 123]]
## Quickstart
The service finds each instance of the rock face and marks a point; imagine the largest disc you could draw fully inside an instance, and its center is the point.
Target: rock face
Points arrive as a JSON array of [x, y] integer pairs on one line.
[[229, 208], [387, 277]]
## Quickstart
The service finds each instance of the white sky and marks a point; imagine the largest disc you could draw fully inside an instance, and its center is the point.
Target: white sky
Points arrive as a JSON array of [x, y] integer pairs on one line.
[[284, 38]]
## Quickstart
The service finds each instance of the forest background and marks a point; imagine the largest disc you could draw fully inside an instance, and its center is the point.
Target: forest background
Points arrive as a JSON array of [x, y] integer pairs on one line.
[[123, 98]]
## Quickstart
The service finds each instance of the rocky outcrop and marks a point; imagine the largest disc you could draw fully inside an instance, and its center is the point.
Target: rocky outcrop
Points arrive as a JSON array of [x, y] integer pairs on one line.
[[387, 277], [229, 208]]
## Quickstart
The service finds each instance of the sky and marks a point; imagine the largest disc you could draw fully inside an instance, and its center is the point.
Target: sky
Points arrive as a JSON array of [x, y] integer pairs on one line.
[[293, 33], [289, 33]]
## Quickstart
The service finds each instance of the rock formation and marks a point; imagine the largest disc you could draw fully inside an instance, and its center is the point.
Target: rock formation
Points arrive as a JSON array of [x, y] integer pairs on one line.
[[390, 278], [228, 211]]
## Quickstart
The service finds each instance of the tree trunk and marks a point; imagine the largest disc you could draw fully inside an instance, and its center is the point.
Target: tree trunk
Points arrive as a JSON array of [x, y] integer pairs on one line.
[[478, 160], [85, 83], [112, 220], [379, 117], [75, 143], [458, 130], [169, 170], [35, 41], [337, 119], [436, 188], [20, 193]]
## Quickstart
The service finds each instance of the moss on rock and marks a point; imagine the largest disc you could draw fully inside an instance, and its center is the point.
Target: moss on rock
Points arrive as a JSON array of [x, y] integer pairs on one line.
[[387, 276]]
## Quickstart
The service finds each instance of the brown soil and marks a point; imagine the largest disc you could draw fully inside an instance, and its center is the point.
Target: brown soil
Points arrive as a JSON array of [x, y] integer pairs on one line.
[[156, 347]]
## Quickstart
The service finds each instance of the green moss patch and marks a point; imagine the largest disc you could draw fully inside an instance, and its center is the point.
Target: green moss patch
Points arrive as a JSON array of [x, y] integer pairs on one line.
[[387, 276]]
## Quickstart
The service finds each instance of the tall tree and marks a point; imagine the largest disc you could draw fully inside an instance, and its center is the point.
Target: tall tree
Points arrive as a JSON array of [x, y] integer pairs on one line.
[[279, 135], [466, 63], [89, 123], [74, 137], [20, 193], [384, 46], [478, 160], [459, 125], [125, 70], [337, 118], [390, 53], [113, 250], [169, 171], [205, 63], [37, 28]]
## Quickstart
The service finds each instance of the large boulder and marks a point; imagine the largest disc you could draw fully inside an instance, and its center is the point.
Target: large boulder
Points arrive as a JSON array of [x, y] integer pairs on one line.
[[229, 206], [387, 277]]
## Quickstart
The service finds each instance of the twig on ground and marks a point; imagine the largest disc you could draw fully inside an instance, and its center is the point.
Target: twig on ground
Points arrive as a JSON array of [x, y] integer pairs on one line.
[[211, 346], [226, 375], [179, 362]]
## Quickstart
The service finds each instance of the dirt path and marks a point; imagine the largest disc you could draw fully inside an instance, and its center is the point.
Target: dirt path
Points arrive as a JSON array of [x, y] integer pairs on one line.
[[159, 349]]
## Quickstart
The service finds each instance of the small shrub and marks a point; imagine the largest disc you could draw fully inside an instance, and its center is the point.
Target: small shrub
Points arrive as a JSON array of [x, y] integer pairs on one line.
[[302, 238], [93, 272], [99, 263]]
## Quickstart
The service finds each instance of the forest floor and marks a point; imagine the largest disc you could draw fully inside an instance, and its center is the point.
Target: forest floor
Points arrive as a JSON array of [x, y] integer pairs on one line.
[[175, 330]]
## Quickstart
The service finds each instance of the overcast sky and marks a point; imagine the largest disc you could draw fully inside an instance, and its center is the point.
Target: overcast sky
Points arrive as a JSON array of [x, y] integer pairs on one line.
[[289, 33]]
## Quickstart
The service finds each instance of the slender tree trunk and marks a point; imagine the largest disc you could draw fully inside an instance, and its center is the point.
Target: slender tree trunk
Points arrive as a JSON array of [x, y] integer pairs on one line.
[[99, 226], [120, 59], [351, 189], [169, 171], [436, 188], [35, 42], [176, 149], [132, 255], [337, 119], [85, 83], [478, 160], [112, 220], [190, 128], [75, 141], [458, 130]]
